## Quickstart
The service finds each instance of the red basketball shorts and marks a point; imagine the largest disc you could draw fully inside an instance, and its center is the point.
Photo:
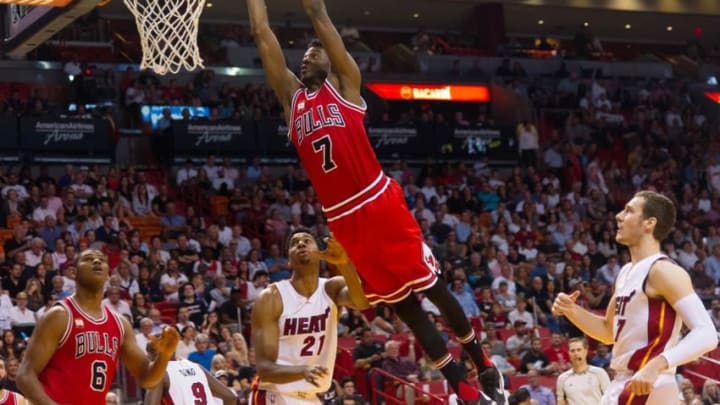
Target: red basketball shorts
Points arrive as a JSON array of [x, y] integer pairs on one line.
[[385, 244]]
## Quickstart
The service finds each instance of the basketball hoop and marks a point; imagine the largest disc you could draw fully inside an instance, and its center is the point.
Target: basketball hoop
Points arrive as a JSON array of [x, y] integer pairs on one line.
[[168, 33]]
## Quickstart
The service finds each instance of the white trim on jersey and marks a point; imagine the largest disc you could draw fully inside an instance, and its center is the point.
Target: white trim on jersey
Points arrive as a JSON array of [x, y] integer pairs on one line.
[[343, 101], [356, 195], [68, 326], [362, 204]]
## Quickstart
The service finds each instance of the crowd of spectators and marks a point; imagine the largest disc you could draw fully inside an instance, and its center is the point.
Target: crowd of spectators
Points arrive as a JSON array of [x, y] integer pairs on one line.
[[508, 240]]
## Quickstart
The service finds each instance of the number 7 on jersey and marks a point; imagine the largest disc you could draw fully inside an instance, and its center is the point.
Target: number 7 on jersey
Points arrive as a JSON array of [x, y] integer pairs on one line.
[[324, 145]]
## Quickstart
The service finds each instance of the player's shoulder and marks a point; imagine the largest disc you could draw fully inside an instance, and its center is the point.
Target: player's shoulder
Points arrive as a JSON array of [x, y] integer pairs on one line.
[[56, 314], [270, 299]]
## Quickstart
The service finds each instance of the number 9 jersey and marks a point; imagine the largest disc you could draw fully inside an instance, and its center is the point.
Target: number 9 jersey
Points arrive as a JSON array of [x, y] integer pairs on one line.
[[188, 385], [82, 369]]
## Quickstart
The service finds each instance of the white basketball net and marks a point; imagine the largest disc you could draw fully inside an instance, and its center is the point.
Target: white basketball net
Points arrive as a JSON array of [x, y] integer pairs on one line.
[[168, 33]]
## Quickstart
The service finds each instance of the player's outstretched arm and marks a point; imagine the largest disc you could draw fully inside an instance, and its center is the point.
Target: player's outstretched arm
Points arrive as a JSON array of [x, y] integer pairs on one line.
[[343, 64], [147, 373], [282, 80], [265, 336], [219, 390], [597, 327], [155, 395], [346, 290], [672, 283], [43, 344]]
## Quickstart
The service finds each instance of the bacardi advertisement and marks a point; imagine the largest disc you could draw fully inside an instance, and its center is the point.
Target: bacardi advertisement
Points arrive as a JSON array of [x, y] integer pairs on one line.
[[51, 134]]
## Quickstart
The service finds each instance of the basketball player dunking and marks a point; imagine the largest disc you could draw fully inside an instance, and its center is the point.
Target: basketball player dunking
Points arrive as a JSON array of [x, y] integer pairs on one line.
[[74, 350], [294, 324], [187, 383], [653, 297], [11, 398], [365, 209]]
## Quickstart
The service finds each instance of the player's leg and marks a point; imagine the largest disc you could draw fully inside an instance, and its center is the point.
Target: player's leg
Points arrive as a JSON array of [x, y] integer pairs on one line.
[[459, 324], [410, 312]]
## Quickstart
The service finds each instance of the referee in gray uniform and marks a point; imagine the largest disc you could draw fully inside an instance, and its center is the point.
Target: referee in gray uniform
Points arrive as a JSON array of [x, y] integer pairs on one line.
[[583, 384]]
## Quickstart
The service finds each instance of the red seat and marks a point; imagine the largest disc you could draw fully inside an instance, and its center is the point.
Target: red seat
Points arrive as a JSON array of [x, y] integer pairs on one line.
[[504, 334], [455, 350], [165, 304], [517, 381]]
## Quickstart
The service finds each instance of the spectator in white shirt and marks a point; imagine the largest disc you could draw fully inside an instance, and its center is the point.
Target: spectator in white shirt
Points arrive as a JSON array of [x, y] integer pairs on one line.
[[20, 315], [221, 183], [211, 169], [143, 337], [5, 309], [43, 210], [116, 304], [520, 314], [171, 281], [22, 193], [33, 256], [187, 172]]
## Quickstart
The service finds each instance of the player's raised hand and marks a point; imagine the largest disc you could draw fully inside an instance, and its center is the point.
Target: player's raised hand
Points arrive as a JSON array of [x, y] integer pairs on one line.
[[564, 303], [333, 254], [167, 342], [314, 374]]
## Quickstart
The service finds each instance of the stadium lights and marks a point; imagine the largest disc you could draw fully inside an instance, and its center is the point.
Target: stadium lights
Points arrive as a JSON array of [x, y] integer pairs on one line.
[[628, 26], [669, 28], [541, 22], [586, 24]]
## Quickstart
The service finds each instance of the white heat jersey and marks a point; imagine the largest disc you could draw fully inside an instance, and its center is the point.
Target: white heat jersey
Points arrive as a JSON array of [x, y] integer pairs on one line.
[[188, 384], [644, 327], [308, 336]]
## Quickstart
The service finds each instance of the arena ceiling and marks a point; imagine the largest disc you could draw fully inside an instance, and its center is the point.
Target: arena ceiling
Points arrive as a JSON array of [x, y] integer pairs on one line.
[[647, 19]]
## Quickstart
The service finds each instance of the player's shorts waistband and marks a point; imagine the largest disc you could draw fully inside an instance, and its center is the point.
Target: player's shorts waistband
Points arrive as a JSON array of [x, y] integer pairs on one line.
[[293, 394], [358, 200]]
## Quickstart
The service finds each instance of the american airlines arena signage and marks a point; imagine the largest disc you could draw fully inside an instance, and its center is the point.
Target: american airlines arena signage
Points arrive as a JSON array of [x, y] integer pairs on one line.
[[431, 92]]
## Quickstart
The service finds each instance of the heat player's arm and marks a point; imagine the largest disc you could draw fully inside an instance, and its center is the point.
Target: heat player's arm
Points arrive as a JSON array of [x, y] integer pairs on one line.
[[670, 282], [154, 396], [282, 80], [266, 335], [219, 390], [343, 64], [43, 344], [597, 327]]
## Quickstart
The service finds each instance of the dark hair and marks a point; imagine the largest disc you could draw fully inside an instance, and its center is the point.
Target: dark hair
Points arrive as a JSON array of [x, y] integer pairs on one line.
[[314, 43], [519, 396], [300, 229], [346, 380], [578, 339], [662, 209]]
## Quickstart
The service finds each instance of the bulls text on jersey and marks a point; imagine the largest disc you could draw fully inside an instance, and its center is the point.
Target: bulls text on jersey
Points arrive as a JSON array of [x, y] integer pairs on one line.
[[306, 324], [93, 342], [316, 118]]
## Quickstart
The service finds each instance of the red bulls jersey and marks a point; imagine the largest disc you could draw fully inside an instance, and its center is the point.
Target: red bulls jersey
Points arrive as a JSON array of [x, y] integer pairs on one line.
[[330, 138], [8, 398], [83, 367]]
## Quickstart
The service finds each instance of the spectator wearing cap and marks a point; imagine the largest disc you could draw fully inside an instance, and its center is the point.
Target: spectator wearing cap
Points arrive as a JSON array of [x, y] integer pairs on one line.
[[520, 341]]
